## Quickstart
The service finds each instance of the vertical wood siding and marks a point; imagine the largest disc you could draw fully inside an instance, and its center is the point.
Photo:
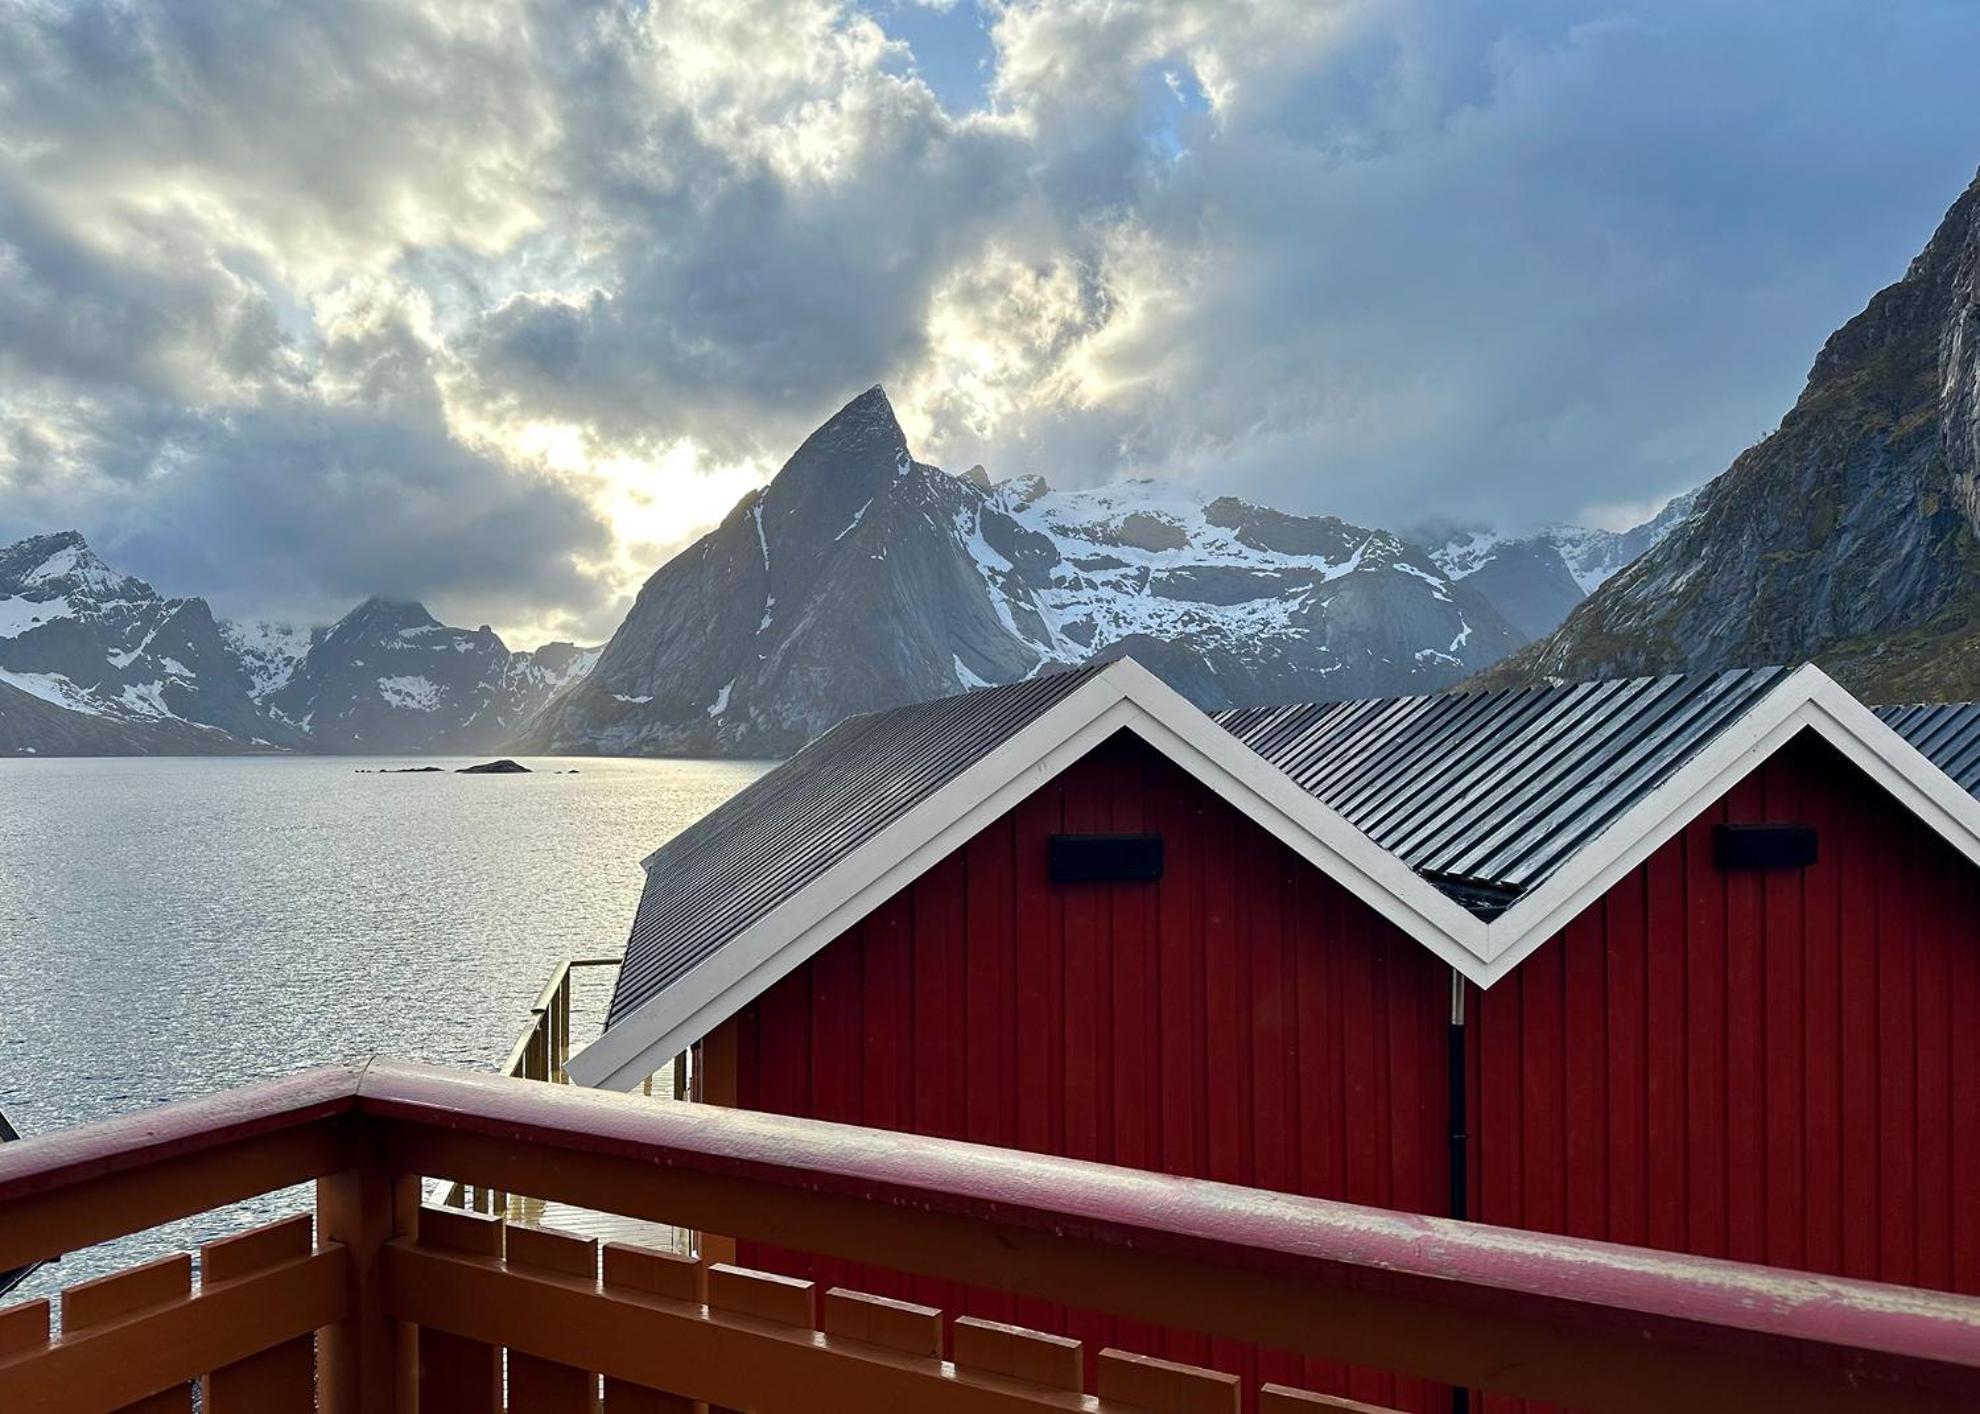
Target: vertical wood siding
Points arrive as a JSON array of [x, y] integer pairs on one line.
[[1242, 1019], [1780, 1067], [1772, 1066]]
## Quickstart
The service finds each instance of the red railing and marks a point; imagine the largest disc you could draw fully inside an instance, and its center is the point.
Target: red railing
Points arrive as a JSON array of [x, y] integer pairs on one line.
[[388, 1288]]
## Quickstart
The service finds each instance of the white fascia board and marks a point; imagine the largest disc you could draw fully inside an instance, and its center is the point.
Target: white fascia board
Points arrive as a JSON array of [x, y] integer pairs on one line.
[[1807, 699], [1124, 696], [1274, 801]]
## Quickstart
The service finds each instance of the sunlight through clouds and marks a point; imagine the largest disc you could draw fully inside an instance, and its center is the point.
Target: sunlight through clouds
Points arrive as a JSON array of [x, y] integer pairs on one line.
[[498, 303]]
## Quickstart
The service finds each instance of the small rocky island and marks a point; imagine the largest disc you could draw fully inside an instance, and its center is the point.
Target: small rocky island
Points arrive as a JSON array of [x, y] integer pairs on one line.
[[504, 767]]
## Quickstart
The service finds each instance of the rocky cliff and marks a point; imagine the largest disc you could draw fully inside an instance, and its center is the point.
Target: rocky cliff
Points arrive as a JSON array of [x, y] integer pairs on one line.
[[1850, 536]]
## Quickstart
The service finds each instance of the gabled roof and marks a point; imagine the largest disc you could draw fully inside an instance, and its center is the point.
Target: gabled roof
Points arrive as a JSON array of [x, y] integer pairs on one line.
[[1947, 733], [762, 846], [738, 901], [1488, 794], [1478, 824]]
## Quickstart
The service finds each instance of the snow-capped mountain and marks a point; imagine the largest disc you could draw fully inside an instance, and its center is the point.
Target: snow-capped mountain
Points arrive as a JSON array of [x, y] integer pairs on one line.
[[388, 676], [1536, 580], [861, 578], [269, 652], [96, 662]]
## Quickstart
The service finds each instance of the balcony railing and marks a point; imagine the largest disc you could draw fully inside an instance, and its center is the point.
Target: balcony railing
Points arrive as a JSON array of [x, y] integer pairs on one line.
[[413, 1307]]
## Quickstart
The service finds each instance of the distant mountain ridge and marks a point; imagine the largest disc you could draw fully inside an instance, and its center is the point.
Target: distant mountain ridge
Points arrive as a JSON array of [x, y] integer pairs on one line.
[[1536, 580], [1850, 535], [94, 662], [861, 578]]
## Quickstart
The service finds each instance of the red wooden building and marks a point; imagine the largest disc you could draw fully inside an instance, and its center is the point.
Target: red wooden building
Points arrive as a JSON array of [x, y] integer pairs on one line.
[[1699, 954]]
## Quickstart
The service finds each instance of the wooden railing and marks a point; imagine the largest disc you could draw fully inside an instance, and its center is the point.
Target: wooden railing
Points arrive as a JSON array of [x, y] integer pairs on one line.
[[414, 1308], [539, 1054]]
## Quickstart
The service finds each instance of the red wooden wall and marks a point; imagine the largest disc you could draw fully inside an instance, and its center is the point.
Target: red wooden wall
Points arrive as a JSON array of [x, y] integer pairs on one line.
[[1778, 1067], [1243, 1019]]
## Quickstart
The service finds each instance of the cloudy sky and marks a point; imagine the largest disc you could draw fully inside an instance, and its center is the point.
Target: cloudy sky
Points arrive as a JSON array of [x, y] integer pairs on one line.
[[498, 303]]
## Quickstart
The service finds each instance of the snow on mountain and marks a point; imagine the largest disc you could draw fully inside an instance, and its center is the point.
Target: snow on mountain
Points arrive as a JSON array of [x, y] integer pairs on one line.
[[388, 676], [94, 661], [268, 652], [861, 578], [1536, 580], [139, 671]]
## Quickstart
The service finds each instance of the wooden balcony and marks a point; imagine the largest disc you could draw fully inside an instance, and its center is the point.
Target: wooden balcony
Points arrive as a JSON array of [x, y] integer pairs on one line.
[[376, 1303]]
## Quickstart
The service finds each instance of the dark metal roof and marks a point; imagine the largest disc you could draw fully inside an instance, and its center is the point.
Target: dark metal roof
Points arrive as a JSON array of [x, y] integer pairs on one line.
[[739, 862], [1488, 793], [1946, 733]]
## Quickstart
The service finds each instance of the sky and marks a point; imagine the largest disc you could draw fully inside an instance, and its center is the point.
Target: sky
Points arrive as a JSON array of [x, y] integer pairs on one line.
[[498, 304]]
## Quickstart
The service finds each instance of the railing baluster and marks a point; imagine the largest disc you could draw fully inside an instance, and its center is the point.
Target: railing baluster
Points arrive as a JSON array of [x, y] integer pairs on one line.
[[760, 1296], [542, 1386], [639, 1269], [109, 1299], [1278, 1399], [1015, 1353], [1163, 1387], [276, 1380], [876, 1320], [367, 1363], [458, 1375]]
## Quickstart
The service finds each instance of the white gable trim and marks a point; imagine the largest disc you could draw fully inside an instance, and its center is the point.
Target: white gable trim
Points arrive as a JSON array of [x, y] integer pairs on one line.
[[1123, 696], [1807, 699]]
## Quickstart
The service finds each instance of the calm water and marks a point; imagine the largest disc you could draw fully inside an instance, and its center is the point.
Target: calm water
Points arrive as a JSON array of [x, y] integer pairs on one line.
[[171, 926]]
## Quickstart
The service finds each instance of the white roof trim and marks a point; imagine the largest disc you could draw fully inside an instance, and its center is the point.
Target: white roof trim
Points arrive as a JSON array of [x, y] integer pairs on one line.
[[1122, 696], [1127, 696], [1807, 699]]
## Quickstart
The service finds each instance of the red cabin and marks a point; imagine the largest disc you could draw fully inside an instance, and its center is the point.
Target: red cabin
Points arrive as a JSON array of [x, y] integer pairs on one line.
[[1694, 951]]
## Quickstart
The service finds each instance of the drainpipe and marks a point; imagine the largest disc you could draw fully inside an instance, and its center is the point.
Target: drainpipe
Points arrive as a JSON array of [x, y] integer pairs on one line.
[[1454, 1033]]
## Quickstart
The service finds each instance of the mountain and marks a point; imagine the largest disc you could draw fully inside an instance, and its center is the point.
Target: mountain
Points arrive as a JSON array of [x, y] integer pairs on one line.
[[388, 676], [1850, 535], [861, 578], [94, 662], [1536, 580], [109, 665]]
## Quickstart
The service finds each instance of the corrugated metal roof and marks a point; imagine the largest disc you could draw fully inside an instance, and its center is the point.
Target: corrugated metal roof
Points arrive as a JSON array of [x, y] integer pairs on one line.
[[1946, 733], [742, 860], [1488, 793]]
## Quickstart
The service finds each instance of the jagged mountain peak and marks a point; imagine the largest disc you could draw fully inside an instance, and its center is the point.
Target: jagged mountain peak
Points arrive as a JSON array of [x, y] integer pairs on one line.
[[62, 562], [861, 578]]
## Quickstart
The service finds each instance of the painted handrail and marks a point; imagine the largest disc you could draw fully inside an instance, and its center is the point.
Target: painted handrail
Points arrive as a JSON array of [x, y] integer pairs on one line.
[[1593, 1324]]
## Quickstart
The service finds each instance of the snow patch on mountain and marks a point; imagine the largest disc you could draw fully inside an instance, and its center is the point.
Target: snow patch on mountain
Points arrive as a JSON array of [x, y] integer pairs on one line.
[[411, 693]]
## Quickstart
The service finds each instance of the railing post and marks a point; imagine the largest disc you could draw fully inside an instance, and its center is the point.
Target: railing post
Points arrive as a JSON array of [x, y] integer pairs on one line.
[[367, 1363]]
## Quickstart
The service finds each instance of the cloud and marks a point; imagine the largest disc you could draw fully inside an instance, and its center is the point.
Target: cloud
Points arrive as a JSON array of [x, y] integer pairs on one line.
[[496, 301]]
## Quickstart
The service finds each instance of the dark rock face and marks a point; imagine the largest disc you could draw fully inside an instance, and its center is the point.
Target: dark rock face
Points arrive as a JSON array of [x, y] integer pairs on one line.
[[96, 662], [504, 767], [1848, 536], [861, 579], [389, 677], [112, 665]]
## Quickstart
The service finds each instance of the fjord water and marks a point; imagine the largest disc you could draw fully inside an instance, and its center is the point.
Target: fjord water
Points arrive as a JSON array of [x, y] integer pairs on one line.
[[170, 925]]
